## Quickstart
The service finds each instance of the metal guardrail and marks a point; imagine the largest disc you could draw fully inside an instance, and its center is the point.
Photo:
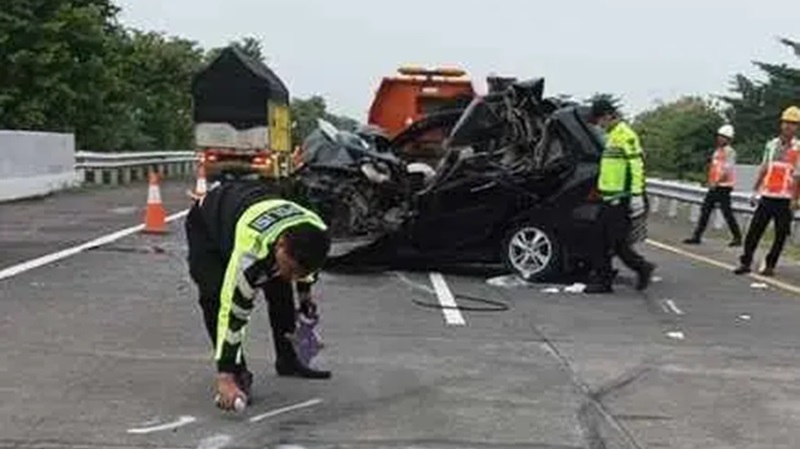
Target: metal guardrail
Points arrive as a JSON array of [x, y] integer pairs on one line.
[[685, 199], [115, 168]]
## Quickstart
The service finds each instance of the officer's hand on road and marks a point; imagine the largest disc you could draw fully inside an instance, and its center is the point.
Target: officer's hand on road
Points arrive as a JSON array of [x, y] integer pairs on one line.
[[228, 392]]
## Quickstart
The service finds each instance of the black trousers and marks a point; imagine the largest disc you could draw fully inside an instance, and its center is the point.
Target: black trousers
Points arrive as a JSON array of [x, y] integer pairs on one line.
[[768, 209], [207, 268], [721, 196], [615, 225]]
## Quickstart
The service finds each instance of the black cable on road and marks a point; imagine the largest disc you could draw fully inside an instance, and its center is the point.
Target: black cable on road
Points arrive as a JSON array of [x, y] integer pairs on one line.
[[491, 305]]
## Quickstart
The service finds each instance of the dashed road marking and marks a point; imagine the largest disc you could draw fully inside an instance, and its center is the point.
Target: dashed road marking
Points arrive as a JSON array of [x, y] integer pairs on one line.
[[452, 315], [676, 335], [774, 282], [215, 442], [672, 307], [63, 254], [279, 411], [180, 422]]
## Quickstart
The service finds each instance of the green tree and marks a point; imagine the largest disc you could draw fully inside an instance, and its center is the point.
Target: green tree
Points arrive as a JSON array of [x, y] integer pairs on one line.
[[57, 68], [677, 137], [756, 105], [158, 72]]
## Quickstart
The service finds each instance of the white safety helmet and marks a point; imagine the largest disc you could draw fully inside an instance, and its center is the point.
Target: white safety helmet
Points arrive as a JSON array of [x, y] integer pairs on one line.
[[726, 131]]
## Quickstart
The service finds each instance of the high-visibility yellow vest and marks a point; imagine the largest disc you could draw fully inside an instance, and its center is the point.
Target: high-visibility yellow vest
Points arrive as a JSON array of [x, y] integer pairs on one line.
[[257, 231], [621, 165]]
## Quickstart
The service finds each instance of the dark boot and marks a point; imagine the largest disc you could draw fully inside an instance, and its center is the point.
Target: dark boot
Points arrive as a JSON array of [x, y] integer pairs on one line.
[[768, 271], [644, 276], [742, 269], [287, 364], [736, 242], [295, 369], [692, 241], [599, 288]]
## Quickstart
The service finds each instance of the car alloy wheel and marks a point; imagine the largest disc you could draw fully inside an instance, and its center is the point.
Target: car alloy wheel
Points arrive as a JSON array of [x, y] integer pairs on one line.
[[530, 252]]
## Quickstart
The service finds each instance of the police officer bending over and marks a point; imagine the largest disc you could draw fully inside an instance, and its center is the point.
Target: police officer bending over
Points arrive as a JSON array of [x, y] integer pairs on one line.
[[621, 184], [242, 238]]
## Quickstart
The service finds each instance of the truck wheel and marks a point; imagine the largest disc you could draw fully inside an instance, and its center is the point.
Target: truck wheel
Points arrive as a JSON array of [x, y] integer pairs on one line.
[[532, 251]]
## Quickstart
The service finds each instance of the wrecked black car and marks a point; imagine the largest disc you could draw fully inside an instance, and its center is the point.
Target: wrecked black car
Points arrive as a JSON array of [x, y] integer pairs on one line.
[[516, 187]]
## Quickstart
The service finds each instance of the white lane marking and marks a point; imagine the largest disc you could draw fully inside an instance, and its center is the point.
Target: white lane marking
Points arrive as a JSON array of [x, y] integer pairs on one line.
[[759, 286], [670, 304], [215, 442], [63, 254], [276, 412], [676, 335], [451, 314], [182, 421], [656, 279], [551, 290], [745, 317], [774, 282]]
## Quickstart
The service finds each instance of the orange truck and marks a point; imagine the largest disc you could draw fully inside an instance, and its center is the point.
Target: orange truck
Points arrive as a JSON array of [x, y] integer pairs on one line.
[[416, 93]]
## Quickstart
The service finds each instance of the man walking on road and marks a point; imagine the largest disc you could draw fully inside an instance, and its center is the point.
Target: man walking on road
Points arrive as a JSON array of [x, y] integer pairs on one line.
[[721, 179], [242, 238], [621, 185], [777, 184]]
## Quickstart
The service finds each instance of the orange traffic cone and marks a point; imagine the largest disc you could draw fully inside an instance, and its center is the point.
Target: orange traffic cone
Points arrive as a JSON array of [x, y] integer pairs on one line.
[[155, 218], [201, 187]]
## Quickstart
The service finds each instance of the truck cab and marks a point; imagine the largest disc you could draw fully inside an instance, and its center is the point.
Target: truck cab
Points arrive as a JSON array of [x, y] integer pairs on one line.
[[415, 93]]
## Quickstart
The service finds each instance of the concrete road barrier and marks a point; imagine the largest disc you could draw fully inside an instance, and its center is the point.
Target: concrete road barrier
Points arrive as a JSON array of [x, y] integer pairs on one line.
[[35, 163]]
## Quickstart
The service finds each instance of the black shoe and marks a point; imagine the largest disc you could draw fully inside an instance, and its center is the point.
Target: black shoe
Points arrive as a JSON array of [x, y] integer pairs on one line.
[[735, 243], [768, 272], [692, 241], [244, 380], [598, 288], [298, 370], [644, 276], [742, 269]]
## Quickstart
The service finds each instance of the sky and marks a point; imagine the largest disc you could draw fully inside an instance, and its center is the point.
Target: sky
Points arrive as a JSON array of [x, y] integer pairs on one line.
[[641, 50]]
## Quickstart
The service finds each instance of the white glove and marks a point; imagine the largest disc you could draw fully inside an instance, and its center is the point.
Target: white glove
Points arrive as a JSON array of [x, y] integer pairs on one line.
[[637, 207]]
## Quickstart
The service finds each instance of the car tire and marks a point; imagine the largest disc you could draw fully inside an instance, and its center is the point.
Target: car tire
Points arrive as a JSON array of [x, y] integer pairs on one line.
[[532, 251]]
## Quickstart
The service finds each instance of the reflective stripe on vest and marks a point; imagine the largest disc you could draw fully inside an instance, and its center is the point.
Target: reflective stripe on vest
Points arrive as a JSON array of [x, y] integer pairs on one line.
[[718, 169]]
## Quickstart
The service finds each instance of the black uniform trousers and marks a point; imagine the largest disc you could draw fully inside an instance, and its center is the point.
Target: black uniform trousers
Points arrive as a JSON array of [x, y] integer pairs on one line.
[[615, 226], [207, 268], [768, 209], [721, 196]]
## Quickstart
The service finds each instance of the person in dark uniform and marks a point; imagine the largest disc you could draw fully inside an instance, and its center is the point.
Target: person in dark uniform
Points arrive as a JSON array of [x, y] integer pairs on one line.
[[241, 238], [621, 184]]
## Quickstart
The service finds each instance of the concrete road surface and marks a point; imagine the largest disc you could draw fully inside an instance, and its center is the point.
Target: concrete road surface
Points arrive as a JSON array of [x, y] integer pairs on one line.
[[105, 349]]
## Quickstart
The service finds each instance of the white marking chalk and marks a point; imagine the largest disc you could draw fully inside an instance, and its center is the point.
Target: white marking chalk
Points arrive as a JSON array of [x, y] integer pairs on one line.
[[452, 315], [279, 411], [182, 421], [63, 254]]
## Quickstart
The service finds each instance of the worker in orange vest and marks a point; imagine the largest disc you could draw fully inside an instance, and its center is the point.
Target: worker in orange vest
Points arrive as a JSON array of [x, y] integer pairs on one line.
[[721, 179], [778, 185]]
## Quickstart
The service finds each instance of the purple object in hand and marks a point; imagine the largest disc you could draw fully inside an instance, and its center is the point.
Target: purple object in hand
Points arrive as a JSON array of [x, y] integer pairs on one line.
[[306, 339]]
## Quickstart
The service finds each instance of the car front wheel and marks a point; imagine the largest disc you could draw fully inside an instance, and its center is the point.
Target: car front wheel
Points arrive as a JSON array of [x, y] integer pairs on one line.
[[532, 252]]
